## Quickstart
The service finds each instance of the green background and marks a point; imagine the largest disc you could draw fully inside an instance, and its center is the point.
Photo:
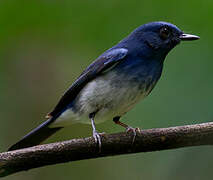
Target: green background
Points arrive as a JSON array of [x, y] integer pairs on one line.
[[44, 46]]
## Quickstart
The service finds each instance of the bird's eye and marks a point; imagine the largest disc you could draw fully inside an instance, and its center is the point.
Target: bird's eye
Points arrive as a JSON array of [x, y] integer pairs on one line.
[[164, 33]]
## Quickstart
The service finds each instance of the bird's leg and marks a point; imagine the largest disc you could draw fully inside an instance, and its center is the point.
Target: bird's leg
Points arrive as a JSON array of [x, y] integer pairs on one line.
[[128, 128], [95, 134]]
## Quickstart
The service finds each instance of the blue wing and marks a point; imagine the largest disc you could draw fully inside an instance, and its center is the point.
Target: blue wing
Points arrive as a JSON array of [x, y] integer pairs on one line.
[[103, 63]]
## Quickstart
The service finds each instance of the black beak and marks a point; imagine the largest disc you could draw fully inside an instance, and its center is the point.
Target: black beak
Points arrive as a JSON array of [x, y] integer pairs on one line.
[[188, 37]]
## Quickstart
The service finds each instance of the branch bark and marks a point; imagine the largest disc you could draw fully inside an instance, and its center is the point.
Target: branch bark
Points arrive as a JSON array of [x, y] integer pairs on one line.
[[112, 144]]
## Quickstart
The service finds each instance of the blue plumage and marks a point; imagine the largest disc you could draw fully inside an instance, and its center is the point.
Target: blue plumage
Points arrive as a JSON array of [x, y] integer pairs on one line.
[[114, 82]]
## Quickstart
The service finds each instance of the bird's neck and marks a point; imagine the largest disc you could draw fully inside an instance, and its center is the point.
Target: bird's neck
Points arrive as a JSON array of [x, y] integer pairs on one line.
[[139, 48]]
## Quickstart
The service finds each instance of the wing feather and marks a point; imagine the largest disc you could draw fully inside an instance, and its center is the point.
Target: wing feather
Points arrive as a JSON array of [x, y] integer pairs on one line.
[[104, 62]]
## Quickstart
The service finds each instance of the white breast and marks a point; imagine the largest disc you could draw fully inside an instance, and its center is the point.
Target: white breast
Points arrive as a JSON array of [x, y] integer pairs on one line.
[[108, 95]]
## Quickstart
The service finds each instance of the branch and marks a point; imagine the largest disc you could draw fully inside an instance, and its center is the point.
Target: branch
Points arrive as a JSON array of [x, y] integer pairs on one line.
[[112, 144]]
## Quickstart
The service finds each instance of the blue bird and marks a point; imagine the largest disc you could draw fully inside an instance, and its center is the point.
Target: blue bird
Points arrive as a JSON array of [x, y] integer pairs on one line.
[[111, 86]]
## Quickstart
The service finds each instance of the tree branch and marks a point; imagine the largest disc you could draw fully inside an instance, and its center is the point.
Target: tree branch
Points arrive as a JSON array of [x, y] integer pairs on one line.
[[112, 144]]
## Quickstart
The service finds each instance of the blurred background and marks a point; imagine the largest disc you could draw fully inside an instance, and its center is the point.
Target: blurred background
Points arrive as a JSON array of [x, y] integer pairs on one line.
[[44, 46]]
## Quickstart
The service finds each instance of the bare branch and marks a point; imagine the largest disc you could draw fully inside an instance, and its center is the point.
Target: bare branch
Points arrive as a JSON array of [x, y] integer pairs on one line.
[[112, 144]]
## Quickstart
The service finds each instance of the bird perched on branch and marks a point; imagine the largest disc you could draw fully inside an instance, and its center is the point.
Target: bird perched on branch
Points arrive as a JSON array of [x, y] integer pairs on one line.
[[111, 86]]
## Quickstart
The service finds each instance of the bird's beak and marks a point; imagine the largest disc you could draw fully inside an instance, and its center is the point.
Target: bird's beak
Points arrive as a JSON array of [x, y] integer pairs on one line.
[[188, 37]]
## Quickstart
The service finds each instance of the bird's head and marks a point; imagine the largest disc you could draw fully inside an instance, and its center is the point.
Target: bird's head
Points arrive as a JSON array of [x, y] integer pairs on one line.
[[158, 38]]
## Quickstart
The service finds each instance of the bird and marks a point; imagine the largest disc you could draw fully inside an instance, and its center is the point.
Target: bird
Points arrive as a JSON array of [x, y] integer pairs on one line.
[[113, 84]]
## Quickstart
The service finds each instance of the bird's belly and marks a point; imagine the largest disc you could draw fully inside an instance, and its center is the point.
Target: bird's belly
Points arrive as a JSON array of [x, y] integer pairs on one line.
[[108, 96]]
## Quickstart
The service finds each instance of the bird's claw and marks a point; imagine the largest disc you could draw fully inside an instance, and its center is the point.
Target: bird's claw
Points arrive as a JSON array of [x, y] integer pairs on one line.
[[134, 131], [97, 138]]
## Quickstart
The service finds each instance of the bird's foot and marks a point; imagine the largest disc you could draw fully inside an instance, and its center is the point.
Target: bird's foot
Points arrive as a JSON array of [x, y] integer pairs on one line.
[[134, 131], [97, 138]]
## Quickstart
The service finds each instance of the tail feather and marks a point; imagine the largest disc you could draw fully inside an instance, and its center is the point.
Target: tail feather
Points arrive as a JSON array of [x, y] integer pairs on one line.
[[36, 136]]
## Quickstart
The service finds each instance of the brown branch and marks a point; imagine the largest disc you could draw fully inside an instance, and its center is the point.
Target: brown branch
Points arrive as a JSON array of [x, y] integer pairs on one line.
[[112, 144]]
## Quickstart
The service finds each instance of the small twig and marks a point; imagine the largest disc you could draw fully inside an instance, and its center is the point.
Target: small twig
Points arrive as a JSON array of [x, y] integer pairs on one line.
[[112, 144]]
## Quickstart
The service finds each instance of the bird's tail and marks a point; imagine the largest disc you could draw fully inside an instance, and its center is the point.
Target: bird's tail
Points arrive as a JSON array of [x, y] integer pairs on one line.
[[36, 136]]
